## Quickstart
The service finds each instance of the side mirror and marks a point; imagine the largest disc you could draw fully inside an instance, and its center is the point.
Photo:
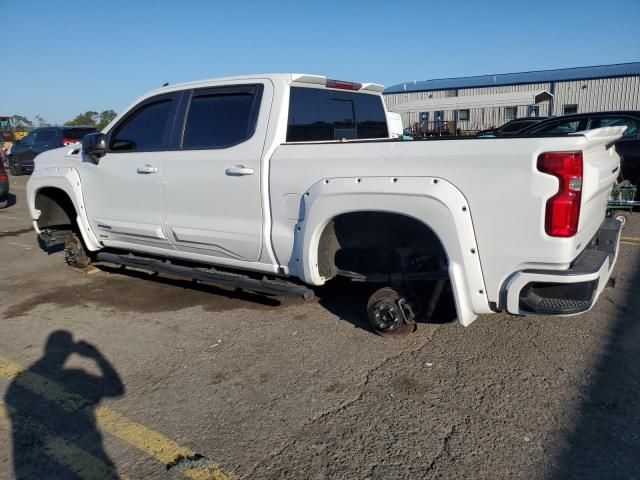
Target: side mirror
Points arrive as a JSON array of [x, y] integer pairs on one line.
[[94, 146]]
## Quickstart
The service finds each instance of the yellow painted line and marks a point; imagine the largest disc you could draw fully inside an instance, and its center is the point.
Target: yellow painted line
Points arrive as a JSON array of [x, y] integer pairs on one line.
[[67, 454], [149, 441], [630, 239]]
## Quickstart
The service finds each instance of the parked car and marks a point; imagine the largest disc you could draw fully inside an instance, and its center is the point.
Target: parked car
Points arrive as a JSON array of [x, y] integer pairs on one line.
[[297, 181], [4, 186], [23, 152], [511, 127], [628, 147]]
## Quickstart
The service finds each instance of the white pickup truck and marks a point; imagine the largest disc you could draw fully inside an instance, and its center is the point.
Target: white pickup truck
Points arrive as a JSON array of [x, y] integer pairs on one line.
[[274, 183]]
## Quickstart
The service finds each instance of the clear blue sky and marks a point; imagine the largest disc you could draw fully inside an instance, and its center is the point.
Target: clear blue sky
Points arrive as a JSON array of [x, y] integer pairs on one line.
[[63, 58]]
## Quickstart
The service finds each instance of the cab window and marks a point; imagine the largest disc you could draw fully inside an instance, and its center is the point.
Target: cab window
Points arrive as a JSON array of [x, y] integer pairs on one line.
[[221, 117], [45, 136], [145, 129], [29, 140], [317, 114]]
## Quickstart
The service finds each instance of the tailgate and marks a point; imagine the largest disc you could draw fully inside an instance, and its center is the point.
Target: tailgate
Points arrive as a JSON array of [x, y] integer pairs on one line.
[[601, 166]]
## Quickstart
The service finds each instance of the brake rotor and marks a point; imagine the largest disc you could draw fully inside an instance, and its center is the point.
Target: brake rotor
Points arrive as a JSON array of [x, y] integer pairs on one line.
[[74, 252], [389, 315]]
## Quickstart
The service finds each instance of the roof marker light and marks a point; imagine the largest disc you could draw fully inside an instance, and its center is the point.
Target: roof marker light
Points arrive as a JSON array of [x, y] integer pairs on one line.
[[342, 85]]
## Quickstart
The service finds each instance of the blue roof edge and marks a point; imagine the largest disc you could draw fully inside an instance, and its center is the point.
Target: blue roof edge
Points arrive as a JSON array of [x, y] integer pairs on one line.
[[537, 76]]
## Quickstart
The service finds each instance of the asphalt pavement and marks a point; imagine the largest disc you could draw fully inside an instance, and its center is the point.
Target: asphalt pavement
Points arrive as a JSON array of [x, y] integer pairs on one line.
[[123, 374]]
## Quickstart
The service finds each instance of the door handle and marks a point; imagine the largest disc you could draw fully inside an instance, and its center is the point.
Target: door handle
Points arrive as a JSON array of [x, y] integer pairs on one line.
[[238, 171], [147, 169]]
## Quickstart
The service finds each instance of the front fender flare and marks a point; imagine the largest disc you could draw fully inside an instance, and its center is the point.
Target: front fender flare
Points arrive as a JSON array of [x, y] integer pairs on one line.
[[68, 180]]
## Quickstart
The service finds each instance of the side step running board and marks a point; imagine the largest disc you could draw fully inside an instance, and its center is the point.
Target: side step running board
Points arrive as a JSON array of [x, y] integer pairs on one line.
[[211, 275]]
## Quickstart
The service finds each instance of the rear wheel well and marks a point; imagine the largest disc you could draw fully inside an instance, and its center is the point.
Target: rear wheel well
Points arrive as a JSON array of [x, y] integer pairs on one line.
[[56, 210], [373, 243]]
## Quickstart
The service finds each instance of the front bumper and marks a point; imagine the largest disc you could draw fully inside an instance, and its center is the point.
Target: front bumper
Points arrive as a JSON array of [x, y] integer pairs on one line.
[[571, 291]]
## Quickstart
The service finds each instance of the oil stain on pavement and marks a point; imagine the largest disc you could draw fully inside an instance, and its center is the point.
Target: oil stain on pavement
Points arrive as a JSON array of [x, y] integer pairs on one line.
[[141, 292]]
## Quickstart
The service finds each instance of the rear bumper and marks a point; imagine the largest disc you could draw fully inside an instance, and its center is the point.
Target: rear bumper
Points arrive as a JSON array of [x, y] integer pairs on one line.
[[571, 291]]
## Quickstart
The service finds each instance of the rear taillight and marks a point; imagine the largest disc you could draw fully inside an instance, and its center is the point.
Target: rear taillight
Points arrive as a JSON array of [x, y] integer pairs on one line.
[[563, 209], [342, 85], [68, 141]]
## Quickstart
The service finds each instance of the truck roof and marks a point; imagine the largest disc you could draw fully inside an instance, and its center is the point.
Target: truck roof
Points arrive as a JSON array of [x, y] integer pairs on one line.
[[289, 78]]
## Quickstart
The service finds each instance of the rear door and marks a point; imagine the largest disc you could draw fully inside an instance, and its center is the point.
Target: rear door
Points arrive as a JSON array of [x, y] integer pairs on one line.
[[123, 192], [212, 187]]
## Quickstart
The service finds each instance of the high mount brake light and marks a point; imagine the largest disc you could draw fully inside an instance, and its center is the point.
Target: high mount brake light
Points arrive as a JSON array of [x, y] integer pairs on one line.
[[563, 209], [342, 85]]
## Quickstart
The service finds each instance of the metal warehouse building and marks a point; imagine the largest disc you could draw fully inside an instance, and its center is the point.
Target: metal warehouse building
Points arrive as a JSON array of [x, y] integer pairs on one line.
[[475, 103]]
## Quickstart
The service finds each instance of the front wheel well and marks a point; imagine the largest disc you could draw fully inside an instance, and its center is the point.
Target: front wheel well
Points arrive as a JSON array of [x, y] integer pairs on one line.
[[367, 244], [56, 210]]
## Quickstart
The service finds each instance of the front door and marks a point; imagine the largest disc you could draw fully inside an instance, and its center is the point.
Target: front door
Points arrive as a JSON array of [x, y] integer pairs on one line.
[[123, 192], [212, 186]]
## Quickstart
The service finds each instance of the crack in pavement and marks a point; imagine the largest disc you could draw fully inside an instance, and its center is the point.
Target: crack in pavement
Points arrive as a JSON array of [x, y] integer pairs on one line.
[[342, 406], [444, 448]]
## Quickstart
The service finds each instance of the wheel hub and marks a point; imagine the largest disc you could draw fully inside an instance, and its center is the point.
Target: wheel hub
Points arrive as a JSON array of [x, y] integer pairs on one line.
[[387, 316], [71, 251]]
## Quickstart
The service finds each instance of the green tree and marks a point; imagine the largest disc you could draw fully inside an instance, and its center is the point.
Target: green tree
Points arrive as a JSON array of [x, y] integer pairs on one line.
[[21, 123], [89, 118], [93, 119], [105, 118], [41, 121]]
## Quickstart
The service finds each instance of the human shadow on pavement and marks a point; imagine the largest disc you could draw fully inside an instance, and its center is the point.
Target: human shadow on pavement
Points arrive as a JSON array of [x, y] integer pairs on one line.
[[52, 412], [605, 439]]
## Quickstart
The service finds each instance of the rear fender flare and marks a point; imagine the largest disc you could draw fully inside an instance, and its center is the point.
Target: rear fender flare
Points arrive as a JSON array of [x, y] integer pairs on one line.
[[432, 201]]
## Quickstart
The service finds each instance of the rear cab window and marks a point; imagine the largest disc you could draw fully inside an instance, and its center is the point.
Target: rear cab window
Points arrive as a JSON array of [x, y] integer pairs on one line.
[[317, 114], [221, 117]]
